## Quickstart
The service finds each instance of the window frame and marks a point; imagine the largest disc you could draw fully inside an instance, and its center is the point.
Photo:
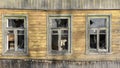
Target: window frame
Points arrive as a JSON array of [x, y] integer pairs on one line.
[[108, 34], [59, 16], [5, 27]]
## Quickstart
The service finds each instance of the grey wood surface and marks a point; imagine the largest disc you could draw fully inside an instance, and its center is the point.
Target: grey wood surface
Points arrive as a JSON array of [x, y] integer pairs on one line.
[[30, 63], [60, 4]]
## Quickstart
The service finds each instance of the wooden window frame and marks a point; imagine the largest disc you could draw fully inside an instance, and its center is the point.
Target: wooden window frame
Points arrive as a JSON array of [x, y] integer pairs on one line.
[[57, 16], [16, 52], [108, 35]]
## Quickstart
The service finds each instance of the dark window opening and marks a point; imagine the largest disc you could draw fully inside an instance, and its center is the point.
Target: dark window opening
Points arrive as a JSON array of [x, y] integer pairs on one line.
[[102, 41], [20, 41], [93, 41], [16, 23], [54, 42], [59, 23]]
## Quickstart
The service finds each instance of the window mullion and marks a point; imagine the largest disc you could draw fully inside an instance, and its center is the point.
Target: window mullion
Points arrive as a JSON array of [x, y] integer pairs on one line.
[[107, 39], [69, 40], [50, 38], [59, 39], [98, 40], [6, 39], [15, 33]]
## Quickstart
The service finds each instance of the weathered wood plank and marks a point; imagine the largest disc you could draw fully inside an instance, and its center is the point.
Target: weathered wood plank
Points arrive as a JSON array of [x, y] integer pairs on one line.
[[60, 4]]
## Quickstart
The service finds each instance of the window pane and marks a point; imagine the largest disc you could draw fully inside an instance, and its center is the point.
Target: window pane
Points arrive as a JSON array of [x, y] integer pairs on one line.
[[10, 40], [93, 31], [64, 42], [20, 41], [20, 32], [93, 41], [102, 31], [64, 32], [97, 22], [16, 23], [62, 23], [102, 41], [54, 42], [54, 32]]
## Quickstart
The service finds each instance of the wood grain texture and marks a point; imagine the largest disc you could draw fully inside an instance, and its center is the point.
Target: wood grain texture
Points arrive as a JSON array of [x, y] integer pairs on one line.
[[60, 4]]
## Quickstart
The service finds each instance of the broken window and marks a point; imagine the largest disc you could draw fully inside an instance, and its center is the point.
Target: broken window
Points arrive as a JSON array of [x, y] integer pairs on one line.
[[15, 31], [59, 34], [98, 33]]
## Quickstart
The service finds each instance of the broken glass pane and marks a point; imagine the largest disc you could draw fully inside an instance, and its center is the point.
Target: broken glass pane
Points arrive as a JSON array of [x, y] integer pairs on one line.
[[16, 23], [20, 41], [102, 41], [10, 39], [64, 42], [93, 41], [97, 22], [54, 42], [59, 23]]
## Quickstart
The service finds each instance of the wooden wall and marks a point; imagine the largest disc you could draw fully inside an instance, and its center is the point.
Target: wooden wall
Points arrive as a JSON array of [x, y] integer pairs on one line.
[[17, 63], [60, 4], [37, 34]]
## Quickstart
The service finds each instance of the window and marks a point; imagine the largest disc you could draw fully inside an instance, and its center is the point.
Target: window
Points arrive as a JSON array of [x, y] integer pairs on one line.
[[98, 33], [59, 34], [15, 35]]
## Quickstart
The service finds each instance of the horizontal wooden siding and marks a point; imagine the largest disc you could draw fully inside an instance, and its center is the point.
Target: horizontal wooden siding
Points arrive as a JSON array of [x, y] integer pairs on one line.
[[60, 4]]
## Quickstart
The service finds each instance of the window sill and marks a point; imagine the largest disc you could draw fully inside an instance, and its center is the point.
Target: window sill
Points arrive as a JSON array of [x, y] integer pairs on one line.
[[65, 52], [14, 53], [98, 53]]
